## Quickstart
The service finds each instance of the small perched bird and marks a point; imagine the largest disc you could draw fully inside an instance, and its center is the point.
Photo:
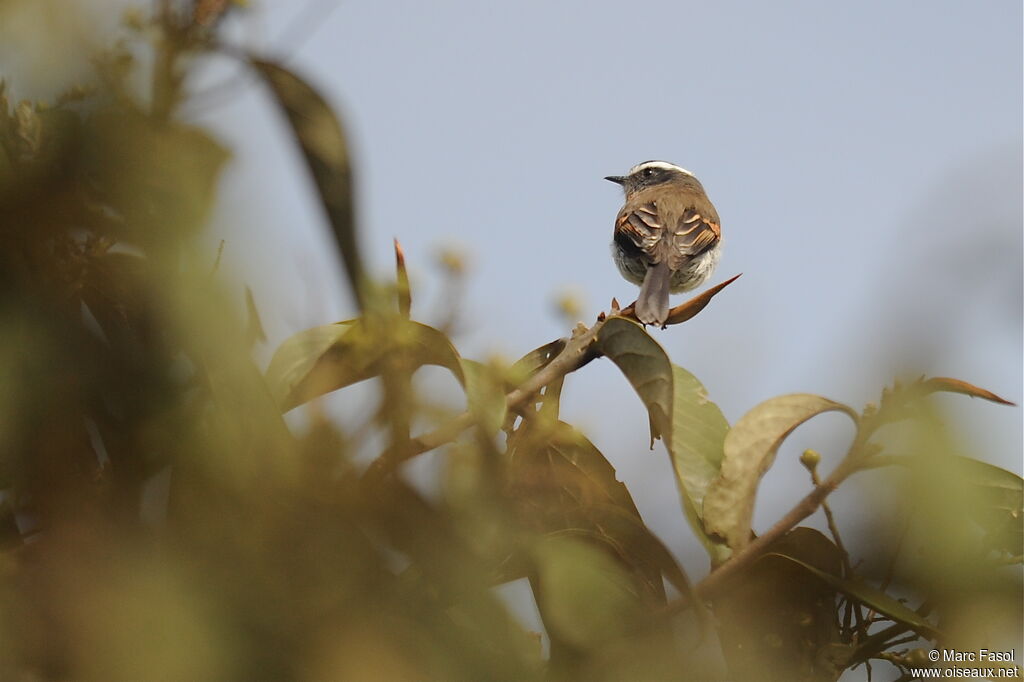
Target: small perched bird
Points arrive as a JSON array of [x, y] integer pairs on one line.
[[667, 235]]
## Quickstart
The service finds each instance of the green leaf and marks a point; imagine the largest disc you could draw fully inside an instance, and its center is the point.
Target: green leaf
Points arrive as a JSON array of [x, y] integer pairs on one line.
[[485, 396], [291, 370], [559, 481], [778, 623], [869, 596], [995, 496], [323, 359], [696, 447], [749, 451], [160, 177], [645, 365], [694, 434], [585, 596], [322, 140], [639, 546], [534, 361], [556, 459]]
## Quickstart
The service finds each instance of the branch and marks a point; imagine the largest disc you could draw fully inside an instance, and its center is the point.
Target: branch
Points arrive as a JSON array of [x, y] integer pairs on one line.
[[706, 588], [880, 640], [577, 352]]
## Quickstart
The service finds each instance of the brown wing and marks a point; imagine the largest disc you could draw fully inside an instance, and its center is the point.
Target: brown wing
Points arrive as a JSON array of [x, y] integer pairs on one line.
[[694, 234], [638, 229]]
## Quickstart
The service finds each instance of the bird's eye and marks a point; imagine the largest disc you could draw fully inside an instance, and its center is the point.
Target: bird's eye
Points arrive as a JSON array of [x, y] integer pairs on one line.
[[648, 172]]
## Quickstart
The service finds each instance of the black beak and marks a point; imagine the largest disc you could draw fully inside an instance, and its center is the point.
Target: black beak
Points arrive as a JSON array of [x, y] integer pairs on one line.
[[617, 179]]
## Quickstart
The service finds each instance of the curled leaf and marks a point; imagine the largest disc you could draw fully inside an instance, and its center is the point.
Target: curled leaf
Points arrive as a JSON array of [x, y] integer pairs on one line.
[[749, 451]]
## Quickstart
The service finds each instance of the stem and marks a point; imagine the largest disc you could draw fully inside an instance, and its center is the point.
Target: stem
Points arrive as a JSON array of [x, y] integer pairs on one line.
[[879, 641], [851, 605], [739, 561], [578, 351]]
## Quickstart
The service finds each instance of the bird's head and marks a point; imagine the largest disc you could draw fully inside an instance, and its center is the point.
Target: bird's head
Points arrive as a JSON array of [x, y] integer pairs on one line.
[[651, 174]]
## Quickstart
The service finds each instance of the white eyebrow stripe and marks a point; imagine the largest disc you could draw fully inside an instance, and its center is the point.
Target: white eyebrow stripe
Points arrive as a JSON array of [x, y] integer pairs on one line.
[[664, 165]]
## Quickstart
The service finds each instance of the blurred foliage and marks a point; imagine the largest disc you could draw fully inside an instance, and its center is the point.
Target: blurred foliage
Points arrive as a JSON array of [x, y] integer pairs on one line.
[[160, 521]]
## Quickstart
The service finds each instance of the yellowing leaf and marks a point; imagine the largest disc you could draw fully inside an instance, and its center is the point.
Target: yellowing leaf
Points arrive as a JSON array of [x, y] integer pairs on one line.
[[957, 386]]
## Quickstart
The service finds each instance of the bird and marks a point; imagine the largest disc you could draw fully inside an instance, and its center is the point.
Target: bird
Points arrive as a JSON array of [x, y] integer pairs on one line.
[[667, 236]]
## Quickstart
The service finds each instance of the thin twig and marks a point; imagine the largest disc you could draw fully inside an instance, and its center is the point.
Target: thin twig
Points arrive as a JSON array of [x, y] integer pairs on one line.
[[740, 560], [879, 641], [904, 640], [851, 605], [577, 352]]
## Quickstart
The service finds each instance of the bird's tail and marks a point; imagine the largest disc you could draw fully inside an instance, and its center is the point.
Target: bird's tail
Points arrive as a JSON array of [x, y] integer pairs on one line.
[[652, 304]]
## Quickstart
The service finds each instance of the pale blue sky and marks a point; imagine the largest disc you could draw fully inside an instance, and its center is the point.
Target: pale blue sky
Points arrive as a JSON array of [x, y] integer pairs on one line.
[[865, 159]]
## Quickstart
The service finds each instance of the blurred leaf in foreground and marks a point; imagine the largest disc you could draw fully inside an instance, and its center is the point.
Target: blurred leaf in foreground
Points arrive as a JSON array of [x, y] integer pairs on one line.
[[778, 625], [324, 145], [323, 359]]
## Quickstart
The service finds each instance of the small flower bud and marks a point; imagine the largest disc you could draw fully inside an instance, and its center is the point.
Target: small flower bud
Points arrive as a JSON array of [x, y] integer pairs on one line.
[[568, 305], [810, 459], [453, 260]]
